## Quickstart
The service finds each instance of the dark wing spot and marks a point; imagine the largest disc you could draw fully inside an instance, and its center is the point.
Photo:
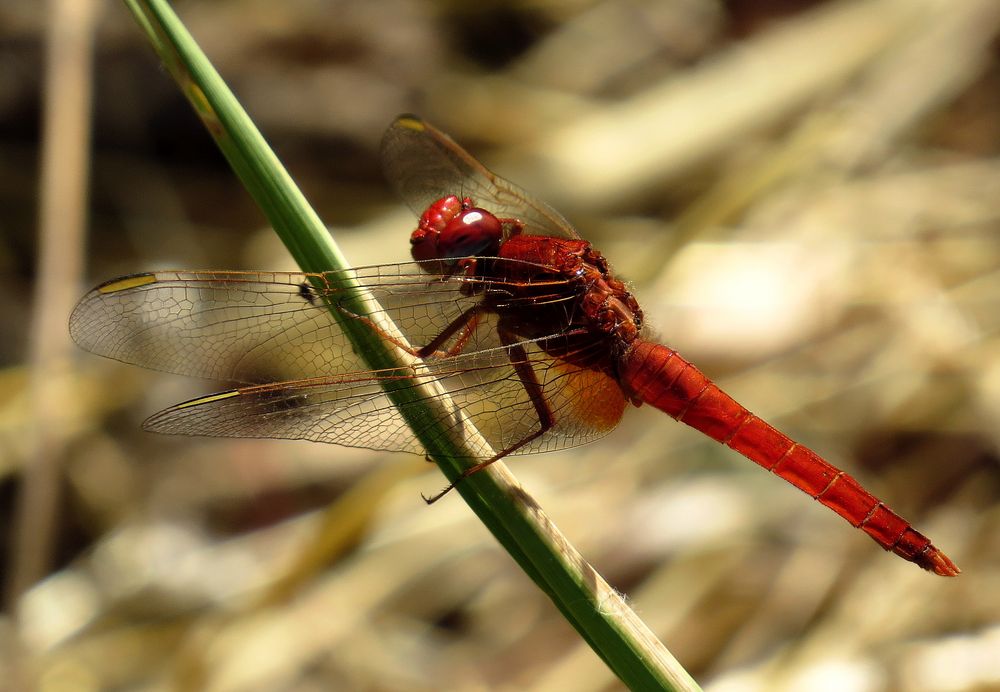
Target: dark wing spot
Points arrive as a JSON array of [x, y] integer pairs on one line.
[[308, 293]]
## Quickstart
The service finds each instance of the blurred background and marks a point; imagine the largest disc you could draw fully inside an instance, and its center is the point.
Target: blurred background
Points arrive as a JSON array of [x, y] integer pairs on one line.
[[806, 197]]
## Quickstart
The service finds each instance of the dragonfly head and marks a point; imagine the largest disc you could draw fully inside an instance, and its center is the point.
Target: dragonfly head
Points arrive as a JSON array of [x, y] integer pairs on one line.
[[451, 229]]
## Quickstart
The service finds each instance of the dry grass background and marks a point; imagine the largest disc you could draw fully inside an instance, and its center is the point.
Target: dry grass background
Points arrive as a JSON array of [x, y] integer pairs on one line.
[[807, 198]]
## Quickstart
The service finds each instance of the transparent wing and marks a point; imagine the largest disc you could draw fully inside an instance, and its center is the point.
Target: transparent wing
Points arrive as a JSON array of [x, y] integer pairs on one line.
[[423, 165], [277, 330], [259, 327], [353, 410]]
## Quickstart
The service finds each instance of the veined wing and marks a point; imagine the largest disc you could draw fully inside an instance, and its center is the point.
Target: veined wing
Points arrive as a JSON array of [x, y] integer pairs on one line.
[[423, 165], [351, 409], [260, 327]]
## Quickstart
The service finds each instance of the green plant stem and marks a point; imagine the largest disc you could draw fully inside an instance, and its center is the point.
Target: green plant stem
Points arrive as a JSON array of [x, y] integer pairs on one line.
[[597, 612]]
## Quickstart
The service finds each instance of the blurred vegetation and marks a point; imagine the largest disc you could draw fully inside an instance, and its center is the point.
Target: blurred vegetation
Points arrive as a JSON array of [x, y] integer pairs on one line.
[[804, 194]]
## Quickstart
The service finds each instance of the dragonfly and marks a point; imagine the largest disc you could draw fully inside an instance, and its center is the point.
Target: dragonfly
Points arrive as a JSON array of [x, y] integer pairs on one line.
[[519, 320]]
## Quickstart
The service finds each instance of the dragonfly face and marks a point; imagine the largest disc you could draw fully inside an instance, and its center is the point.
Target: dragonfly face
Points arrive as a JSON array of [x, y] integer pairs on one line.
[[451, 229]]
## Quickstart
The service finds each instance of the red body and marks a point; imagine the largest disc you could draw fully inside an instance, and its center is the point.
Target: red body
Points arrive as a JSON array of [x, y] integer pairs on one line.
[[608, 317], [609, 320], [661, 378], [520, 320]]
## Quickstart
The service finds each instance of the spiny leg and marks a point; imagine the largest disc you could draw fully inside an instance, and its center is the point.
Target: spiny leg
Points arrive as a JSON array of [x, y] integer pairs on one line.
[[466, 323], [463, 320], [546, 418]]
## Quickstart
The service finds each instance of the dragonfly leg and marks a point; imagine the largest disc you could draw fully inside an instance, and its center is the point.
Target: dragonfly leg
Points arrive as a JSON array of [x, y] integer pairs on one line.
[[466, 323], [546, 419]]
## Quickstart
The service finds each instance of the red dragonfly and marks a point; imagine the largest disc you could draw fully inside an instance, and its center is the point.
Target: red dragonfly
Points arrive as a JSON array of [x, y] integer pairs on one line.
[[522, 321]]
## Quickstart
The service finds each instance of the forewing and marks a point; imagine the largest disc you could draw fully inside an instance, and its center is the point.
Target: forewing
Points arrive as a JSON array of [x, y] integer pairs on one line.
[[423, 165], [259, 327]]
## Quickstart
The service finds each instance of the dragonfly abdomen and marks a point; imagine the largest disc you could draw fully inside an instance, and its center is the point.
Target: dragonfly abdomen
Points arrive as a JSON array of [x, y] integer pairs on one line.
[[658, 376]]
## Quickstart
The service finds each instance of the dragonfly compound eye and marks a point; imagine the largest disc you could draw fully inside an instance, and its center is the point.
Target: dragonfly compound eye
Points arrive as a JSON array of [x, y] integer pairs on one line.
[[438, 214], [473, 232], [424, 244]]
